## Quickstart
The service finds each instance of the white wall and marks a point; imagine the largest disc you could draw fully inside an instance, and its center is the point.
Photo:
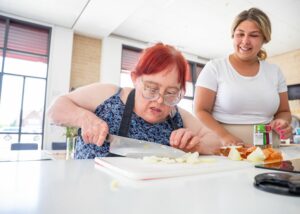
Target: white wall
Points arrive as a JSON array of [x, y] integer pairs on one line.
[[58, 77]]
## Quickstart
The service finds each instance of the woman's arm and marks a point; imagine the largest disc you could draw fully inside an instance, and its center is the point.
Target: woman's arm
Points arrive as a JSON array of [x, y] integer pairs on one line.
[[201, 139], [77, 109], [284, 111], [203, 106], [70, 109], [283, 118]]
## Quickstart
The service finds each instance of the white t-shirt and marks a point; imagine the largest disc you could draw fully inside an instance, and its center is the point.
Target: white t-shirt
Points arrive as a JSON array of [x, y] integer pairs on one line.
[[241, 99]]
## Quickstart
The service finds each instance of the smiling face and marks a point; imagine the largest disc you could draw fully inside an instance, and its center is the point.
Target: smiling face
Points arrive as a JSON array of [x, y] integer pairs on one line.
[[247, 40], [164, 82]]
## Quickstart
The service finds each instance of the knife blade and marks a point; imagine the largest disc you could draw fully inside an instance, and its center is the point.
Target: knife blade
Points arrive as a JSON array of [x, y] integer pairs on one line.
[[133, 148]]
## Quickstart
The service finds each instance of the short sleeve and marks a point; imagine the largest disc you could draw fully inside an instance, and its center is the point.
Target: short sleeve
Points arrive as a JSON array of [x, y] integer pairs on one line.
[[208, 77], [281, 81]]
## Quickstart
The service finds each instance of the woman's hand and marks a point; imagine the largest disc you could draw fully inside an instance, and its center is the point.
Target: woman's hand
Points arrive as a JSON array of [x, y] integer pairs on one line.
[[94, 130], [184, 139], [282, 127], [231, 140]]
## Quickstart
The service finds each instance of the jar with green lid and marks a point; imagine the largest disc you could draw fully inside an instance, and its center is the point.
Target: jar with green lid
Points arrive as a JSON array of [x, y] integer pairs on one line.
[[262, 136]]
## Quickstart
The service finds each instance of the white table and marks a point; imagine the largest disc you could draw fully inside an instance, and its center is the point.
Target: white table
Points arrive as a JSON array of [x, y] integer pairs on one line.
[[77, 186], [31, 155]]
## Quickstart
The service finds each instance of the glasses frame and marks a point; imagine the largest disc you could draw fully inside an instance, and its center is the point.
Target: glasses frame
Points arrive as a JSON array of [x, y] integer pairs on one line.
[[164, 96]]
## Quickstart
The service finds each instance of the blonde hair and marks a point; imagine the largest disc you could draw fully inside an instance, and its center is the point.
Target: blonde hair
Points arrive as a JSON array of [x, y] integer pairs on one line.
[[262, 21]]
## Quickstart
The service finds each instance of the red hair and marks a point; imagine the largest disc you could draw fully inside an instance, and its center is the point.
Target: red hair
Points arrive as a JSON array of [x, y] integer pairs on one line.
[[160, 57]]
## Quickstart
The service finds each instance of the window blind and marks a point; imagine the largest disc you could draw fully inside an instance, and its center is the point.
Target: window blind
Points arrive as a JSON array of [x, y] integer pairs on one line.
[[130, 58], [2, 32], [29, 40]]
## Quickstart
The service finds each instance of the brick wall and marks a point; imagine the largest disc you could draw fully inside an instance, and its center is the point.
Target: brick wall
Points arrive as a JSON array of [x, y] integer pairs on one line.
[[290, 66], [85, 61]]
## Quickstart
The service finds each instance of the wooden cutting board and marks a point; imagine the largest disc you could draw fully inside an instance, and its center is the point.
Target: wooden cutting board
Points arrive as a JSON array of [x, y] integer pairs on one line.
[[141, 170]]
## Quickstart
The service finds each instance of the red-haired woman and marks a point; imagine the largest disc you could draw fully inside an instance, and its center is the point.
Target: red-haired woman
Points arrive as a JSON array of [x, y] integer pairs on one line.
[[148, 112]]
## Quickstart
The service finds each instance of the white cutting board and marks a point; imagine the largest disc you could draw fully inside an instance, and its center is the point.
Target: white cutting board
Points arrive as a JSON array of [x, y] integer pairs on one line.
[[141, 170]]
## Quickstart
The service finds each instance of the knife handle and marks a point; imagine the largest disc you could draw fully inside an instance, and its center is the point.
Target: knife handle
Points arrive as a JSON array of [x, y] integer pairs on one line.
[[113, 155]]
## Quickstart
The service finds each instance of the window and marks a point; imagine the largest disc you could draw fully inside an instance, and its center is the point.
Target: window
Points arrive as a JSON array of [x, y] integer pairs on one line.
[[24, 53], [294, 92], [129, 59], [187, 101]]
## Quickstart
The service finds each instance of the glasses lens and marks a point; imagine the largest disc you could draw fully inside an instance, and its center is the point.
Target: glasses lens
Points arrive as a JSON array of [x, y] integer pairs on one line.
[[171, 100], [150, 94]]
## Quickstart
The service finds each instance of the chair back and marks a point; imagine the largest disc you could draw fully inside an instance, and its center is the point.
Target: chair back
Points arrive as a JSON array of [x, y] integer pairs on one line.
[[24, 146], [59, 145]]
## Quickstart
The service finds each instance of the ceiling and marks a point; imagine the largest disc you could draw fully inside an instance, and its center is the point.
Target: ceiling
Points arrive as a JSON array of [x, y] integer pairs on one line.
[[200, 27]]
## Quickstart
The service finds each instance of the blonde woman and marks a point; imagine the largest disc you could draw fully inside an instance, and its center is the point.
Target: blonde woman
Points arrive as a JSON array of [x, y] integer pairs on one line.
[[242, 89]]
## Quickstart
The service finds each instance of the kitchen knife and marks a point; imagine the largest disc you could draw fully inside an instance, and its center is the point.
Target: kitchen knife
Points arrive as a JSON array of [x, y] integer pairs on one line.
[[138, 148]]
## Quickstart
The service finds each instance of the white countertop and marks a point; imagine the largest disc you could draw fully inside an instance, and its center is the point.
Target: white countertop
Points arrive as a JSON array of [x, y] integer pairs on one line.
[[78, 186], [32, 155]]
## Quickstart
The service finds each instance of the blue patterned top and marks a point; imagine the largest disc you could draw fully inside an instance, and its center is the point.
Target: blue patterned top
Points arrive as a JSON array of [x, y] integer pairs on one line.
[[111, 111]]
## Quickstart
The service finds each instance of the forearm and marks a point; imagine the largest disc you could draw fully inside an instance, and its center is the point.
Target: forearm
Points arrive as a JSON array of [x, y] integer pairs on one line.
[[66, 113], [210, 144], [285, 115], [207, 119]]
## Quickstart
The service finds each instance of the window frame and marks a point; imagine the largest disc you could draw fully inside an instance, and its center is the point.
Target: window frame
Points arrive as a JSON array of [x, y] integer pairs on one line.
[[8, 21]]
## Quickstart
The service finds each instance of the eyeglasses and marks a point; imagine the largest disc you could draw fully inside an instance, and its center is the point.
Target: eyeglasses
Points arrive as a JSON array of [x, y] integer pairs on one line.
[[151, 92]]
